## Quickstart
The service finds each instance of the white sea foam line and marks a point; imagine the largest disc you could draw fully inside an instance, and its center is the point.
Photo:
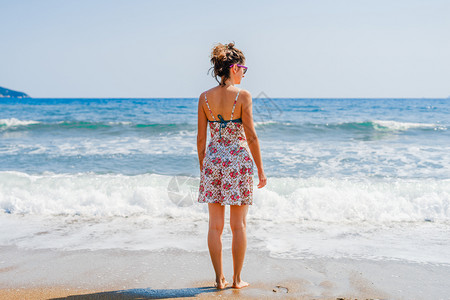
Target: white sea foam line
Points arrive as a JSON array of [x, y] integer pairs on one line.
[[120, 123], [358, 157], [403, 160], [87, 194], [384, 124], [389, 159], [308, 217], [394, 125], [419, 242], [294, 199], [78, 232], [261, 123], [93, 146], [424, 242], [15, 122]]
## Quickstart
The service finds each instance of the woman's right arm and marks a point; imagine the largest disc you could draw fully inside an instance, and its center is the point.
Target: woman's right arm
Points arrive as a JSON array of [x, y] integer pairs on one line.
[[201, 131], [250, 135]]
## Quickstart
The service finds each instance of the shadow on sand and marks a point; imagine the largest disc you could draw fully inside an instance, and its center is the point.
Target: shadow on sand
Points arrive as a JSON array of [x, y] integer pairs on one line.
[[147, 293]]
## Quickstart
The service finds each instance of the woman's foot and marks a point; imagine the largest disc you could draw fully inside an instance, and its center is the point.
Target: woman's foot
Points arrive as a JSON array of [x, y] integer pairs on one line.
[[239, 284], [221, 284]]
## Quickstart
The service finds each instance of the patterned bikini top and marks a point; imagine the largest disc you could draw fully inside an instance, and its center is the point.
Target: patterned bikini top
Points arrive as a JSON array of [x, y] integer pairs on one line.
[[223, 123]]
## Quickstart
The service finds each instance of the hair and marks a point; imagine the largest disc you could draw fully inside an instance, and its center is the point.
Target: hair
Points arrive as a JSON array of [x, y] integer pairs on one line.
[[222, 56]]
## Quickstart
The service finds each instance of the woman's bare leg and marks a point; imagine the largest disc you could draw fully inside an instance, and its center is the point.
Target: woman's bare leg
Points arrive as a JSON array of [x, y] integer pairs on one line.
[[238, 226], [216, 223]]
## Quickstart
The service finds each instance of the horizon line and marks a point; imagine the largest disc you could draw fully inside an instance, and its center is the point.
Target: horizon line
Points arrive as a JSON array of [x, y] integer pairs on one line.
[[122, 98]]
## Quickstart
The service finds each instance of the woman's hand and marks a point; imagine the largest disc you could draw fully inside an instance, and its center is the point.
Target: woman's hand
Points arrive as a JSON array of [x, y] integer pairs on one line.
[[262, 179], [201, 161]]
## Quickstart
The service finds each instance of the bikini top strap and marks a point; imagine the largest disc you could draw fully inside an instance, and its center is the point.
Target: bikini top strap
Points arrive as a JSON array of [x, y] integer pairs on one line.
[[234, 105], [206, 100]]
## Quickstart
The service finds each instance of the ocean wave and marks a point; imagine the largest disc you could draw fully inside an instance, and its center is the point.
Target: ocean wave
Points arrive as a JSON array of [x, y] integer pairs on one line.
[[294, 218], [13, 122], [265, 123], [284, 200], [30, 125], [371, 125], [374, 125], [402, 126], [382, 125]]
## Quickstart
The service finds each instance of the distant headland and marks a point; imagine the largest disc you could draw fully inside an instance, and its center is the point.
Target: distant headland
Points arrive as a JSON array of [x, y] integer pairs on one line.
[[6, 93]]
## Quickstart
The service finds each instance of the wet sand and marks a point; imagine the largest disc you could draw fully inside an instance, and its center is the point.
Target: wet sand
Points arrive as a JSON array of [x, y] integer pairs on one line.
[[121, 274]]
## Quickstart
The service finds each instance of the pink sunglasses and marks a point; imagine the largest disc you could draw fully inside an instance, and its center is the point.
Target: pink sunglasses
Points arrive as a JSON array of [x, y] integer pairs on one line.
[[245, 68]]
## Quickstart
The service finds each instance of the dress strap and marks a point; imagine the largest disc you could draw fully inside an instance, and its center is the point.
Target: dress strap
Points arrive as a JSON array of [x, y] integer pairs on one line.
[[234, 105], [206, 100]]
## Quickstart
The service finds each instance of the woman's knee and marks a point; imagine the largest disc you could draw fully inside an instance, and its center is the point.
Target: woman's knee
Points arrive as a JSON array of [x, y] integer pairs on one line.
[[238, 225], [216, 226], [238, 218]]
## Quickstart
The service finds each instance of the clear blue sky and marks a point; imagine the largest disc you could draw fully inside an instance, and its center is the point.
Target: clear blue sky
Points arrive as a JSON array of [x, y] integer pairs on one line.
[[358, 48]]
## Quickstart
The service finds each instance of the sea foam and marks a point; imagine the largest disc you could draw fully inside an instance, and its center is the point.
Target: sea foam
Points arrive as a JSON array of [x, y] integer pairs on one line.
[[283, 200], [401, 126], [13, 122], [290, 218]]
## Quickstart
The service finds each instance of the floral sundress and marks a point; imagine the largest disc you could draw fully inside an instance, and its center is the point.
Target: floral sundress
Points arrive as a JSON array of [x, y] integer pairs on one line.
[[227, 175]]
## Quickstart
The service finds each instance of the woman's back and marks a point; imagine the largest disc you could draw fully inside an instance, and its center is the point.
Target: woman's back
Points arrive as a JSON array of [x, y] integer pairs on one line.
[[221, 100], [227, 166]]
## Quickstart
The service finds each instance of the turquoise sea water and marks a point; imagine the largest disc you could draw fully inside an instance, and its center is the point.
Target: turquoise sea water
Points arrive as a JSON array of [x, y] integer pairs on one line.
[[80, 173], [385, 138]]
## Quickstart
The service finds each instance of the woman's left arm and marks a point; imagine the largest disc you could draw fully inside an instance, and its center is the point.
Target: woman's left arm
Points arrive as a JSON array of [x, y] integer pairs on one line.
[[201, 132]]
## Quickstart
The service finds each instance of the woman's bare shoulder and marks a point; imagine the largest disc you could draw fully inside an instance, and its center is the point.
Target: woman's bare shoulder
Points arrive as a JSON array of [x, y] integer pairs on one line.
[[202, 95], [245, 96]]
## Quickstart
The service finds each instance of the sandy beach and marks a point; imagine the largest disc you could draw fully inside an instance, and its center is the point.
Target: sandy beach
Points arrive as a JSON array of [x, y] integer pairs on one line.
[[121, 274]]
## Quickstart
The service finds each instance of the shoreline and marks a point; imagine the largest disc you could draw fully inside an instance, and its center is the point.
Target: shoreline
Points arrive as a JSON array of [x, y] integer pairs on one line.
[[109, 274]]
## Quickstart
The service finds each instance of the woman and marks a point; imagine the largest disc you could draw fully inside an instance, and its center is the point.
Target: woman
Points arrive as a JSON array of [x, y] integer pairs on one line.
[[226, 167]]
